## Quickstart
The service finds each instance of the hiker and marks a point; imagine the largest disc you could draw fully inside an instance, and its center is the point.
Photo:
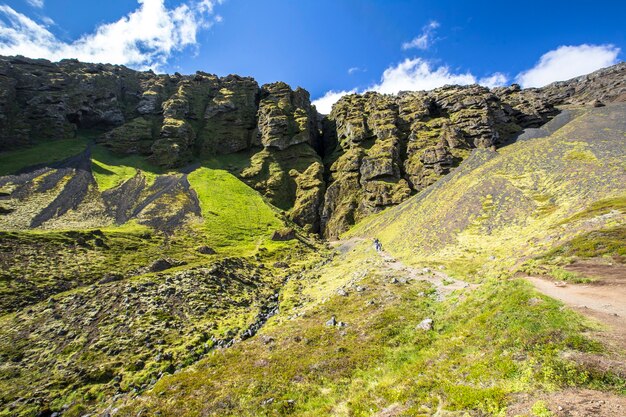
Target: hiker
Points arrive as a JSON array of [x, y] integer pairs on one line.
[[377, 245]]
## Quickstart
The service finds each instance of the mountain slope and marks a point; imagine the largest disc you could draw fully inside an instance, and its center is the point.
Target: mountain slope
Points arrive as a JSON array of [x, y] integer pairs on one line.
[[112, 270], [372, 152], [501, 206], [158, 246], [350, 336]]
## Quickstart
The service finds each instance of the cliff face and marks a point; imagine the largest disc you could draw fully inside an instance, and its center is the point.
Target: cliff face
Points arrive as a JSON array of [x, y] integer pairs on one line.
[[172, 120], [384, 148], [389, 147], [169, 118], [371, 152]]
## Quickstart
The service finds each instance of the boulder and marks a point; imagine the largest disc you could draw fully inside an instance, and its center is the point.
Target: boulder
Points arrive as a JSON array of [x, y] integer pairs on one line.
[[284, 234], [110, 277], [206, 250], [160, 265], [426, 324]]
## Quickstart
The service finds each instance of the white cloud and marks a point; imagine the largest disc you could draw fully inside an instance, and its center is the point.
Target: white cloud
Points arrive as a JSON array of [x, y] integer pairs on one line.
[[412, 75], [143, 39], [425, 39], [325, 103], [354, 70], [418, 74], [36, 3], [497, 79], [567, 62], [47, 21]]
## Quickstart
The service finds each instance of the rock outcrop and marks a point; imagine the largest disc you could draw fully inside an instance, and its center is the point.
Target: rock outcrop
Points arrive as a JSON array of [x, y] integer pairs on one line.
[[172, 120], [607, 85], [390, 146], [40, 100], [169, 118], [383, 148], [373, 151]]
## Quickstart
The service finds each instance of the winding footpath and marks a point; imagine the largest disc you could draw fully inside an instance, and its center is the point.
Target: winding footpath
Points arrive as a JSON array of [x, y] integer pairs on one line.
[[443, 283]]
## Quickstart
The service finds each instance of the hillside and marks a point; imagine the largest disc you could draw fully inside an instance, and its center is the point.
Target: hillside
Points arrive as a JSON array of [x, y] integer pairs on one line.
[[403, 333], [521, 200], [163, 252], [372, 152]]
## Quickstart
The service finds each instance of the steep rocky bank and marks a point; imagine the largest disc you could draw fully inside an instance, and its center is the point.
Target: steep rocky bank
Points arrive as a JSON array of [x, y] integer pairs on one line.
[[326, 172]]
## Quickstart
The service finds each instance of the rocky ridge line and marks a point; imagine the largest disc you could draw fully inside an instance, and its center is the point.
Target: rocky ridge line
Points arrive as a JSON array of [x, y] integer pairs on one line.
[[373, 151]]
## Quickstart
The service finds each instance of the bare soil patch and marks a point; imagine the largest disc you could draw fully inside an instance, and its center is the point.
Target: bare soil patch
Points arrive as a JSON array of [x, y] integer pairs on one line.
[[572, 403], [603, 301]]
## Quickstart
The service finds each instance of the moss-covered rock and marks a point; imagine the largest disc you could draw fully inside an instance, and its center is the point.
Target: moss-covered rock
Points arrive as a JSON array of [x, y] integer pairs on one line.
[[134, 137], [374, 147], [310, 188], [170, 118], [387, 147], [230, 123], [286, 117], [292, 179]]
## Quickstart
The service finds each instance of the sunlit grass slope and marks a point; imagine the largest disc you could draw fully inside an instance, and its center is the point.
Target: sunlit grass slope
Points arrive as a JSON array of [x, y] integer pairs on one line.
[[110, 170], [497, 208], [85, 315], [234, 214], [486, 345]]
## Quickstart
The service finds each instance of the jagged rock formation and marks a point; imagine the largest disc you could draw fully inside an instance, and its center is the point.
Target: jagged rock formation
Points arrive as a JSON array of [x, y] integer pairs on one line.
[[168, 118], [372, 152], [385, 148], [389, 147], [607, 85], [171, 120]]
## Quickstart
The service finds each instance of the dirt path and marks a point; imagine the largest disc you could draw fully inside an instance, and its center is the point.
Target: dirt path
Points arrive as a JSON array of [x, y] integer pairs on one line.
[[572, 402], [603, 300], [443, 283]]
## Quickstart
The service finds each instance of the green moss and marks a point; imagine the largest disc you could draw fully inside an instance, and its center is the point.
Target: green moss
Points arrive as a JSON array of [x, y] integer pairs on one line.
[[608, 242], [111, 170], [234, 214], [598, 208], [581, 156], [540, 409], [560, 274]]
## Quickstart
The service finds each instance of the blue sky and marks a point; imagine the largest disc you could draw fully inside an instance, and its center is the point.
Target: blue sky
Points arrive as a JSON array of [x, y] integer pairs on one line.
[[334, 46]]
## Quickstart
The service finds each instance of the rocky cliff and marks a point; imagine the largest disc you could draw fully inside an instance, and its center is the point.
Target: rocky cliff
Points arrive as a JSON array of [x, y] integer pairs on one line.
[[373, 151], [172, 120], [389, 147]]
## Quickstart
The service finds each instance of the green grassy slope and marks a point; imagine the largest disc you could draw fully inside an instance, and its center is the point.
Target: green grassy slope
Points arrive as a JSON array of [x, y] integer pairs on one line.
[[520, 201], [110, 170], [234, 214], [557, 195], [486, 345], [82, 315]]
